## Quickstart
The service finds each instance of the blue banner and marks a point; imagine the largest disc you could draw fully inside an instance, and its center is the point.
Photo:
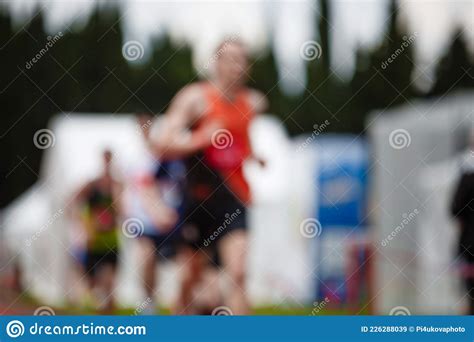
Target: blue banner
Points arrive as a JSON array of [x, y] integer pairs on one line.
[[342, 181], [233, 328]]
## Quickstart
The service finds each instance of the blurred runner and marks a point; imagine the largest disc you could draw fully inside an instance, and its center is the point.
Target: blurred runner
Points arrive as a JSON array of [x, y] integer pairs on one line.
[[462, 208], [209, 125], [155, 197], [97, 206]]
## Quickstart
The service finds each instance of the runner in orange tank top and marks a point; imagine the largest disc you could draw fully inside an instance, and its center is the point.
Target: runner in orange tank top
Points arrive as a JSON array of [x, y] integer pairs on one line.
[[230, 145], [208, 125]]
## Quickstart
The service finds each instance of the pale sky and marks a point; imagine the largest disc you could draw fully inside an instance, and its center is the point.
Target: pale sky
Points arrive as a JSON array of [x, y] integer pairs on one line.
[[204, 23]]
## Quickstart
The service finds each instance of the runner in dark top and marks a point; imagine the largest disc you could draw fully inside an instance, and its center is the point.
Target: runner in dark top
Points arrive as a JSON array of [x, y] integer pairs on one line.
[[154, 199], [97, 204], [462, 208]]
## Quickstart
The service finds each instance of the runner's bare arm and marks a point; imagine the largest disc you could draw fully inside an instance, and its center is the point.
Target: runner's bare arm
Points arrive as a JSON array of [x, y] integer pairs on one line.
[[76, 208], [77, 200], [258, 101], [162, 215], [80, 196], [117, 196], [259, 104], [175, 139]]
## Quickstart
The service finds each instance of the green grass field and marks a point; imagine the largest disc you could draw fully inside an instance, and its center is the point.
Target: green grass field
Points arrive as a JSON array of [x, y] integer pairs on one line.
[[264, 311], [26, 305]]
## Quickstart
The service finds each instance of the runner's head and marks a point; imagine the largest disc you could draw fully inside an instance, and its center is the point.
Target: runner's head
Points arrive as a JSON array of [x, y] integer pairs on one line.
[[107, 160], [231, 62]]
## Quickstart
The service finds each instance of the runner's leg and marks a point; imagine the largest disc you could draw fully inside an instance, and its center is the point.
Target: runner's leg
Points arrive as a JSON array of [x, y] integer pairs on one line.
[[108, 274], [233, 252], [191, 268], [149, 272]]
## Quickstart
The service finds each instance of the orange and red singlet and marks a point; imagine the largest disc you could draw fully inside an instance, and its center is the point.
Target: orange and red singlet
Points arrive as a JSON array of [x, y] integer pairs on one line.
[[230, 145]]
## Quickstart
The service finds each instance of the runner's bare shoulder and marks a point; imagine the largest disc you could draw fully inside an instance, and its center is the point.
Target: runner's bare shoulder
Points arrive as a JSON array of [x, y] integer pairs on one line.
[[190, 99]]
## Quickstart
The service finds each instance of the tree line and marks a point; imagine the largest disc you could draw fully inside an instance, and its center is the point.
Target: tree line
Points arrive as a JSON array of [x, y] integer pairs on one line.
[[84, 71]]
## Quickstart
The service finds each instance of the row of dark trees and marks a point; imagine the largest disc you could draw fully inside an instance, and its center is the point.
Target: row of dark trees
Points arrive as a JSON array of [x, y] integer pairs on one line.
[[85, 72]]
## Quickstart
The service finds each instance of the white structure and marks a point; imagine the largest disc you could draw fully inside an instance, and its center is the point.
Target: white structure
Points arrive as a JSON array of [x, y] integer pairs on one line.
[[413, 175], [42, 238]]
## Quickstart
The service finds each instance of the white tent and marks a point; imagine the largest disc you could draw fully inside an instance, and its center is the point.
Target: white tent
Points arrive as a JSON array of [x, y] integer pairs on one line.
[[438, 237], [407, 143]]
